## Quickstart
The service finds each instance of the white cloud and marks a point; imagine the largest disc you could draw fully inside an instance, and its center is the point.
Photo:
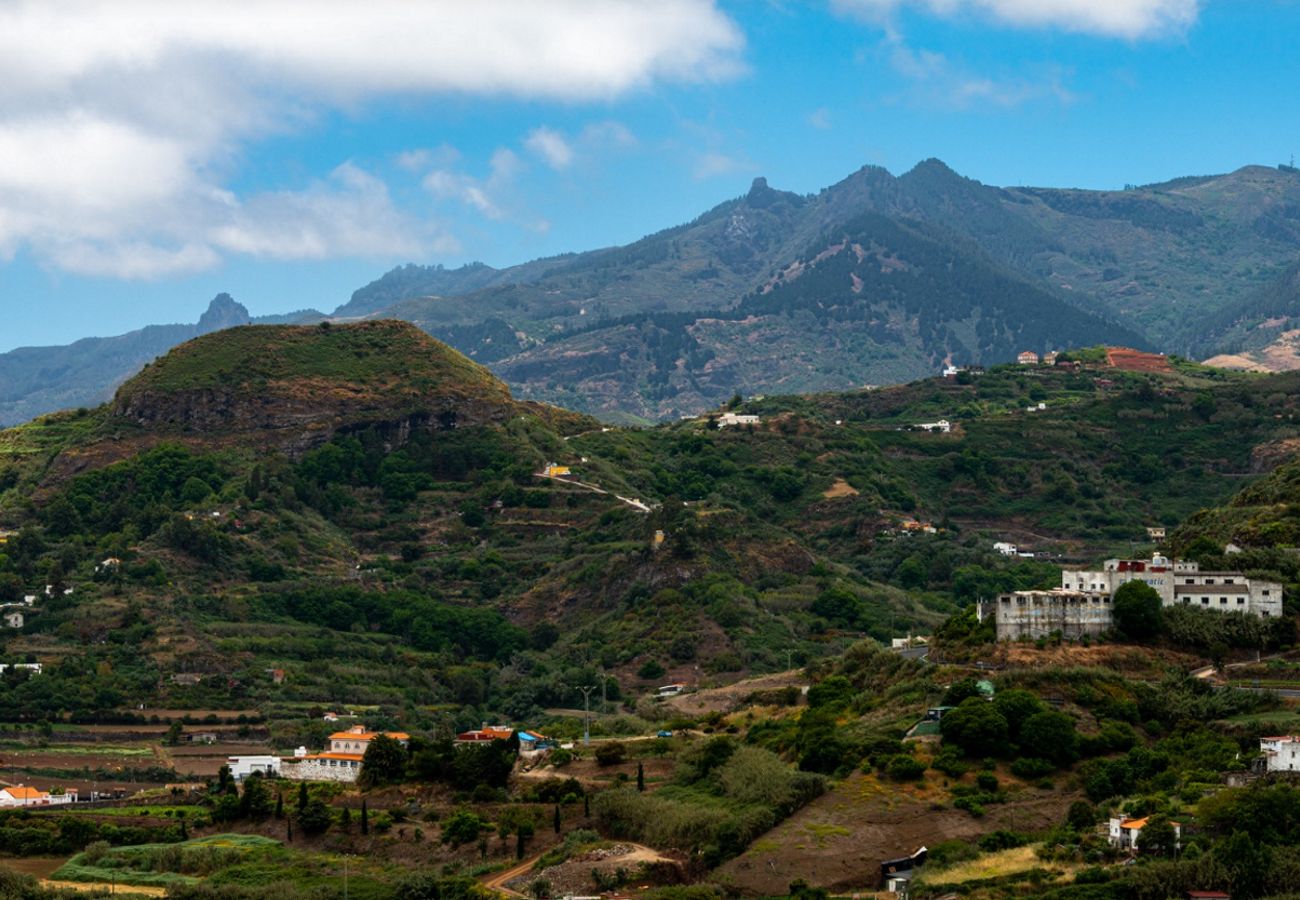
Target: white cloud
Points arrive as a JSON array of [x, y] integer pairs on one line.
[[820, 118], [121, 123], [937, 81], [551, 146], [712, 164], [1129, 19]]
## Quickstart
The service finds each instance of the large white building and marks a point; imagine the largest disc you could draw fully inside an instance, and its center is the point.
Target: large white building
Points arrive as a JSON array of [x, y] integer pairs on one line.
[[1082, 605], [1182, 583]]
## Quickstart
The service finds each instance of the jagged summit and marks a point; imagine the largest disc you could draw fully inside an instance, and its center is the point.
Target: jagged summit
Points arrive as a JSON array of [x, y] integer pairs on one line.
[[223, 312]]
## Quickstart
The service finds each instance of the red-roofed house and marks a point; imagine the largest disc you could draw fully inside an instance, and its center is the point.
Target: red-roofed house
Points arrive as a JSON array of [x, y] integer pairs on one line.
[[486, 734], [1124, 833], [341, 762], [20, 795]]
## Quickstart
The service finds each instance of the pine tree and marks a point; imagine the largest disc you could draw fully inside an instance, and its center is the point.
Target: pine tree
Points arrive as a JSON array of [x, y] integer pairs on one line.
[[279, 805], [640, 776], [365, 818], [302, 797], [557, 818]]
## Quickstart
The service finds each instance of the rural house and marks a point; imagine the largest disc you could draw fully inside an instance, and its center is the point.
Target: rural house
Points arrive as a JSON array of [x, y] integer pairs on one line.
[[341, 762], [1281, 754], [1125, 833]]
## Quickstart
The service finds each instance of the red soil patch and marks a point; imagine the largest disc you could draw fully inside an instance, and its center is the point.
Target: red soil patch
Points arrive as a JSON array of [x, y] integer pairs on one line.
[[1136, 361]]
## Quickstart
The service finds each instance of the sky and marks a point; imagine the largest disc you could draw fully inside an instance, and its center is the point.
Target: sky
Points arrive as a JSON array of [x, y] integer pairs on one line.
[[154, 153]]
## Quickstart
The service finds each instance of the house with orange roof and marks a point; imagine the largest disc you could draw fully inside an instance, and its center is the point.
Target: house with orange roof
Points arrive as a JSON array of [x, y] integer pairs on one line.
[[21, 795], [485, 735], [342, 761], [1124, 833]]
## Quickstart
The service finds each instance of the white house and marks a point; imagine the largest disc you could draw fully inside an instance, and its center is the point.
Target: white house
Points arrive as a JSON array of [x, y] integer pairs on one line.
[[1006, 548], [13, 619], [1281, 754], [243, 766], [730, 418], [1125, 833], [943, 426], [34, 668], [341, 762], [19, 795]]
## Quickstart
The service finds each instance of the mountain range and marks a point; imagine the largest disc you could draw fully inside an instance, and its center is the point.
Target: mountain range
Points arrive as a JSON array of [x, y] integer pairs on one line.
[[876, 279]]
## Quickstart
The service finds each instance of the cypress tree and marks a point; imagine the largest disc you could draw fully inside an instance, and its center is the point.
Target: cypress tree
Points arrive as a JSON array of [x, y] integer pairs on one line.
[[557, 818], [302, 797], [279, 805], [586, 806], [345, 818], [640, 776], [365, 818]]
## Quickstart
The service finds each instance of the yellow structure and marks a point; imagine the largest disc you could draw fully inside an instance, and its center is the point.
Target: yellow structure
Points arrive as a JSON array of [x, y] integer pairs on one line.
[[553, 470], [659, 537]]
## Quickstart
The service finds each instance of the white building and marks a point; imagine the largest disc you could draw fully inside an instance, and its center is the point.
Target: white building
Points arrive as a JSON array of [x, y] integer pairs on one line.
[[243, 766], [13, 619], [1281, 754], [1182, 583], [730, 418], [1125, 833], [34, 668], [341, 762], [1006, 548], [1030, 615], [19, 795], [943, 426]]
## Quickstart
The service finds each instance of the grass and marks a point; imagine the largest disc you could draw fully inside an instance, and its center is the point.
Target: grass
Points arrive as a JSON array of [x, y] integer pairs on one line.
[[115, 866], [1002, 864]]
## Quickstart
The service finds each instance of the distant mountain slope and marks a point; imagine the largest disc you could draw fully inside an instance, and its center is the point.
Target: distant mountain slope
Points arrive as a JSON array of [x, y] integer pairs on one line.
[[658, 327], [879, 301], [36, 380]]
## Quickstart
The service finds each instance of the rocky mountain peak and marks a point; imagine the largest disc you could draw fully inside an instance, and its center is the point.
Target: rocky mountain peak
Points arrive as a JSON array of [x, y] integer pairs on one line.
[[223, 312]]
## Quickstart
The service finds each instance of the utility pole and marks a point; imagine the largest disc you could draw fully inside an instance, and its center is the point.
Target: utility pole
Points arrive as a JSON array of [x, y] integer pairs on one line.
[[586, 713], [345, 876], [604, 710], [789, 659]]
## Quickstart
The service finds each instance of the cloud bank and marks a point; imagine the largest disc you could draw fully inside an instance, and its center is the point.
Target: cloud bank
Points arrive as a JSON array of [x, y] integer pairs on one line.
[[122, 122]]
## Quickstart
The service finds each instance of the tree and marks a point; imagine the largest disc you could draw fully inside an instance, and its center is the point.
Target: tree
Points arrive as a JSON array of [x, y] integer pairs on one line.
[[345, 818], [462, 827], [383, 763], [255, 803], [1137, 610], [315, 818], [1158, 837], [976, 727], [640, 776], [556, 819], [365, 818], [302, 796], [1081, 816], [610, 754], [1050, 735], [279, 805], [523, 831], [1016, 706]]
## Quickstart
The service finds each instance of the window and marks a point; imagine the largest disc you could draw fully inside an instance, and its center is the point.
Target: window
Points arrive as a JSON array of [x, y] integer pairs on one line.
[[1265, 592], [1209, 581], [1205, 601], [1189, 581], [1241, 601], [1186, 600], [1228, 581], [1223, 601]]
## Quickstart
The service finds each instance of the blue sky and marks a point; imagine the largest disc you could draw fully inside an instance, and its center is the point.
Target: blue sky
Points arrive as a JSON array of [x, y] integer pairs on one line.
[[156, 154]]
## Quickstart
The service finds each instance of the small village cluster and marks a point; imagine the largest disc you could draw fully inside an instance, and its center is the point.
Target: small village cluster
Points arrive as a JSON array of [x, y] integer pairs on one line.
[[342, 760], [1083, 605]]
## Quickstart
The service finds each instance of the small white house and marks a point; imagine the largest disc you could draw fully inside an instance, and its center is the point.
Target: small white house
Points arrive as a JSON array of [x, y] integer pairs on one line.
[[730, 418], [1006, 548], [34, 668], [13, 619], [670, 690], [1126, 833], [943, 426], [243, 766]]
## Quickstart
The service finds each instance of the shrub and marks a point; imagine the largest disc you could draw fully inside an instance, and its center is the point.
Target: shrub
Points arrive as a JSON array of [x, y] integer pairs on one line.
[[1030, 768], [905, 768], [610, 754]]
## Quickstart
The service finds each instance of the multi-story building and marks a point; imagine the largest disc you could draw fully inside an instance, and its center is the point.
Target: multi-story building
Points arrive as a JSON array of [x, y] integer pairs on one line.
[[341, 762], [1034, 614], [1182, 583], [1281, 754], [1082, 605]]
